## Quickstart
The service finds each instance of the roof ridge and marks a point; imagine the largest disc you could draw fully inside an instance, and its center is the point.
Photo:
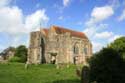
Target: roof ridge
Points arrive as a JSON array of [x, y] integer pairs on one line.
[[60, 30], [45, 31], [65, 28]]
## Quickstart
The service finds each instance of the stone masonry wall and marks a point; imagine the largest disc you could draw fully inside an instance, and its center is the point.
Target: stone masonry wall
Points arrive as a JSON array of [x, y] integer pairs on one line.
[[60, 48]]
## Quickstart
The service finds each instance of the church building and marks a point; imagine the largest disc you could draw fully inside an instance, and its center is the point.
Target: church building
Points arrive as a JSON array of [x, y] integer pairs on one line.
[[58, 45]]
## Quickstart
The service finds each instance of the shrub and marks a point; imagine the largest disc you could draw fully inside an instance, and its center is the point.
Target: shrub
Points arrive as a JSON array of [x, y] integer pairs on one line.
[[15, 59], [21, 52], [107, 66]]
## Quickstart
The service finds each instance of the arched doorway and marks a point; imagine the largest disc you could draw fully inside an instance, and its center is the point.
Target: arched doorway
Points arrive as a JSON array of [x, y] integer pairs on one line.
[[42, 45], [53, 57], [75, 52]]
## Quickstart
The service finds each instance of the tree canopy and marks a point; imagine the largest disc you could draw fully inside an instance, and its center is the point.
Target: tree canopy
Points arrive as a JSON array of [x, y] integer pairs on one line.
[[108, 65], [21, 52], [119, 46]]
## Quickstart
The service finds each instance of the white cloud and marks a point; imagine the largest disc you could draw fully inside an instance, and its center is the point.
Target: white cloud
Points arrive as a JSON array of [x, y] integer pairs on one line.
[[16, 26], [66, 2], [97, 46], [90, 31], [33, 21], [11, 20], [113, 38], [4, 2], [104, 35], [60, 17], [122, 16], [100, 13], [60, 8], [95, 29]]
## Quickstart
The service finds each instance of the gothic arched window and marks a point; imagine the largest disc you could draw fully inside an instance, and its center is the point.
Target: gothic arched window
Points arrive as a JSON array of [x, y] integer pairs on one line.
[[75, 50], [85, 50]]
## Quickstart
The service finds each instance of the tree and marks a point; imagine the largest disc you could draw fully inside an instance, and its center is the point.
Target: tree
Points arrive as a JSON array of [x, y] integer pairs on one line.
[[107, 66], [21, 52], [119, 46], [6, 53]]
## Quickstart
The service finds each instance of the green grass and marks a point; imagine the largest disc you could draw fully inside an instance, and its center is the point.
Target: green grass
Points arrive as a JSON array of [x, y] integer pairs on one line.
[[46, 73]]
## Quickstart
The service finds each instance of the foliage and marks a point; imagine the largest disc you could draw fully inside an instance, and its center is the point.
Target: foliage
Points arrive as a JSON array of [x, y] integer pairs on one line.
[[45, 73], [21, 52], [119, 46], [5, 51], [107, 66], [11, 48], [15, 59]]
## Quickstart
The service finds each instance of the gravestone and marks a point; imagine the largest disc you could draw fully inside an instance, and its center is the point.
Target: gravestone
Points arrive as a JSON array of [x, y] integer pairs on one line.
[[85, 74]]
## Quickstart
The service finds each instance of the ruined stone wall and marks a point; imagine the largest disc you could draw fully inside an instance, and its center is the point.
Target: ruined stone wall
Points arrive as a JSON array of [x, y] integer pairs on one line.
[[59, 47], [64, 48], [60, 44], [51, 45], [81, 56], [34, 52]]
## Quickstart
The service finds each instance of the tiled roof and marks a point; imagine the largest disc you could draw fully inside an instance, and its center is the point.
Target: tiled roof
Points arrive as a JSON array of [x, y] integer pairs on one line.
[[60, 30], [46, 31]]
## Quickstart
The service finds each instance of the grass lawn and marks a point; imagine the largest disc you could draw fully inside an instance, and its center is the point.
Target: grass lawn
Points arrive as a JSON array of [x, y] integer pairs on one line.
[[46, 73]]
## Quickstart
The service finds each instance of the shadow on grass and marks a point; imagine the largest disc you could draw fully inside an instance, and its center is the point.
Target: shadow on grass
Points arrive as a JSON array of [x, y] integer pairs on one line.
[[67, 81]]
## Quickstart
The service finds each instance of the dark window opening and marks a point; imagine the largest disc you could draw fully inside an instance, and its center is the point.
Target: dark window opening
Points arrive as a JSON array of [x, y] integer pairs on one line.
[[85, 51], [75, 50], [42, 51]]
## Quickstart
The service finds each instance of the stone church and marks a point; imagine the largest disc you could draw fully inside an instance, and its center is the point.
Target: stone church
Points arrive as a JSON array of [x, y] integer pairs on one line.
[[58, 45]]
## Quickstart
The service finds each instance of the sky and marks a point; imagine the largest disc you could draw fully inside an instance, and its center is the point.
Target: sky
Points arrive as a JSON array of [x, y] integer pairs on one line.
[[101, 20]]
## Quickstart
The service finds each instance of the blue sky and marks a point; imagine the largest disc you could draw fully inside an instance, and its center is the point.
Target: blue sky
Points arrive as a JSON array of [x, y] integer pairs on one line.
[[101, 20]]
